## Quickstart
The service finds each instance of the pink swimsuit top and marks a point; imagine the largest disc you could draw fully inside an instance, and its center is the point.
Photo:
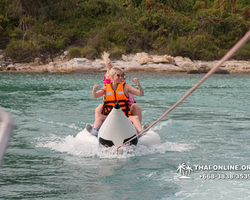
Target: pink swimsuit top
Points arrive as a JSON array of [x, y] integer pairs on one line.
[[130, 96], [106, 81]]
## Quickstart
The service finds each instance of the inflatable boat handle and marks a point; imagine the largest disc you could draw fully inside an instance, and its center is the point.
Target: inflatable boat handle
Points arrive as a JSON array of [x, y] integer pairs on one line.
[[117, 106]]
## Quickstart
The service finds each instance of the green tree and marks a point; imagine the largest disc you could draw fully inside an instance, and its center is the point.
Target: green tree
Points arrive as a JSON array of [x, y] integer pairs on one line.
[[89, 27]]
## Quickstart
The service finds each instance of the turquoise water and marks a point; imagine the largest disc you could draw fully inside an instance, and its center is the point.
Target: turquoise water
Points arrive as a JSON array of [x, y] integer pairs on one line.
[[44, 160]]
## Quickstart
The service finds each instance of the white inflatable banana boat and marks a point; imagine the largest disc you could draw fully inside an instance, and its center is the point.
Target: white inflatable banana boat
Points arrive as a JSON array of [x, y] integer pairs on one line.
[[116, 130]]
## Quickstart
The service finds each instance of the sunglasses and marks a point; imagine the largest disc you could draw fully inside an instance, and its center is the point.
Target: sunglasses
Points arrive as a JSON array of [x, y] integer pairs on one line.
[[120, 75]]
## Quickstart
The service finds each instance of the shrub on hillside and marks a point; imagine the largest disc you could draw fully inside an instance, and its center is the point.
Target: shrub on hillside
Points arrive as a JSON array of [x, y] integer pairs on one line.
[[116, 52], [82, 52], [89, 52], [244, 53], [20, 51], [198, 47], [74, 52]]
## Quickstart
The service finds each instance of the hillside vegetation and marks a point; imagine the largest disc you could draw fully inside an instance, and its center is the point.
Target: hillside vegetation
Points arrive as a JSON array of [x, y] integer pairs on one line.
[[200, 30]]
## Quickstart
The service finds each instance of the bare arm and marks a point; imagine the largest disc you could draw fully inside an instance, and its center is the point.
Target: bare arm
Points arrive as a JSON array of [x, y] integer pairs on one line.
[[109, 67], [97, 94], [130, 89]]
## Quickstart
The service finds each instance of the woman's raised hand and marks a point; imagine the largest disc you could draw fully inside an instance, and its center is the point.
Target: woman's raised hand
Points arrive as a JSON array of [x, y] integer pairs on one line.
[[96, 87], [136, 81], [109, 65]]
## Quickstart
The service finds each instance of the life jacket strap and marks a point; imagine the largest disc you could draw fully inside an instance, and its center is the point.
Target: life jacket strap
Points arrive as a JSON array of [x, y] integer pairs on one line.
[[106, 109], [123, 104]]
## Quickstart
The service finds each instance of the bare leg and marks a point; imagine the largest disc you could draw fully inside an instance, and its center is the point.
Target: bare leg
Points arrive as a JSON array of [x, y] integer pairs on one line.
[[136, 122], [98, 109], [99, 117], [135, 109]]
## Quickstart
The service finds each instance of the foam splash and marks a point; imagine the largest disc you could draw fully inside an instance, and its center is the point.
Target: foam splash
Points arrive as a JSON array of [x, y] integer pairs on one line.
[[159, 126], [75, 147]]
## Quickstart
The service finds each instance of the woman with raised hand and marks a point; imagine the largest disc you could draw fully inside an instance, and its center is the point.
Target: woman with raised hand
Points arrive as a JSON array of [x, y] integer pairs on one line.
[[111, 93]]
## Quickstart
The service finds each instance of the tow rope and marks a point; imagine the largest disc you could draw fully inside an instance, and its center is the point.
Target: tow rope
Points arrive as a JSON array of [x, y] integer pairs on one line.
[[234, 49]]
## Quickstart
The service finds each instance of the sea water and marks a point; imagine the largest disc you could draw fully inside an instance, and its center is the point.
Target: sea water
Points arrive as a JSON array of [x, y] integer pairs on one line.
[[208, 130]]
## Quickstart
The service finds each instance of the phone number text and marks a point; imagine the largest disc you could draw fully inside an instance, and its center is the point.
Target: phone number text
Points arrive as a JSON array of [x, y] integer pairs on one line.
[[224, 176]]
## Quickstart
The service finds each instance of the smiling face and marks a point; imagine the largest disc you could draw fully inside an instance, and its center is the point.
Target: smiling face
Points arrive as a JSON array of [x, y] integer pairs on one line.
[[116, 75]]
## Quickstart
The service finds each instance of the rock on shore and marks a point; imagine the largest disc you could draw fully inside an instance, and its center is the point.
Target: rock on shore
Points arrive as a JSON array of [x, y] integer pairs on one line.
[[141, 62]]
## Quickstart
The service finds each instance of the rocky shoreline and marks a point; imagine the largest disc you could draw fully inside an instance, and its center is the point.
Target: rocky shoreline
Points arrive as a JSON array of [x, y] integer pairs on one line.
[[140, 62]]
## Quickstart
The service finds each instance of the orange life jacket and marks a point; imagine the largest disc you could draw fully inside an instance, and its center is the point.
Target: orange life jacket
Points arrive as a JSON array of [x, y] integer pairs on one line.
[[112, 97]]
